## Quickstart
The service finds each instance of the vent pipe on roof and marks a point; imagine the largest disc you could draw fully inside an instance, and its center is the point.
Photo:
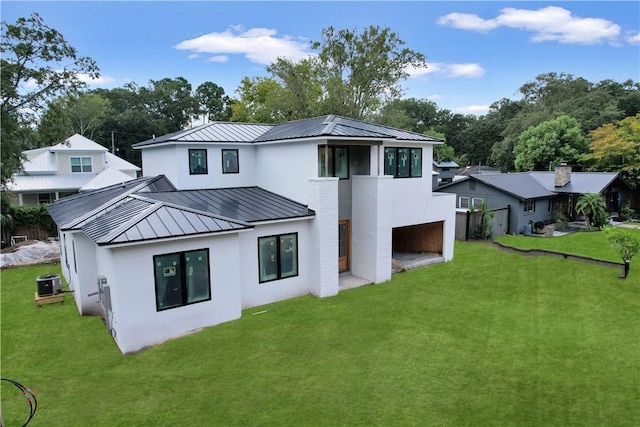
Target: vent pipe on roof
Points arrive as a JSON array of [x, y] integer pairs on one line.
[[562, 175]]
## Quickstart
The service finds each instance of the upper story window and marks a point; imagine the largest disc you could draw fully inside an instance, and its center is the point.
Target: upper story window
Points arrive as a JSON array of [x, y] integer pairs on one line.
[[197, 162], [182, 278], [278, 257], [230, 162], [81, 164], [333, 162], [403, 162]]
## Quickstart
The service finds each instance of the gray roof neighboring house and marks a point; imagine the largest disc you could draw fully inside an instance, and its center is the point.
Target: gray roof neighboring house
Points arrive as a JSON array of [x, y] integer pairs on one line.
[[324, 126], [581, 182], [539, 184]]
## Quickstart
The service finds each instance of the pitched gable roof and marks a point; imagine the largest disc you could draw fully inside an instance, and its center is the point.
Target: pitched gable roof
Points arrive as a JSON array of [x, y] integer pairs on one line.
[[70, 211], [537, 184], [78, 143], [135, 219], [324, 126]]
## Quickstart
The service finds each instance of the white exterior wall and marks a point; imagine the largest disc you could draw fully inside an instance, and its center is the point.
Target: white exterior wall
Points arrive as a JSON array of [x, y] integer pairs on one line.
[[173, 162], [255, 293], [286, 169], [81, 271], [64, 161], [130, 275], [161, 161], [371, 241], [323, 199], [442, 207]]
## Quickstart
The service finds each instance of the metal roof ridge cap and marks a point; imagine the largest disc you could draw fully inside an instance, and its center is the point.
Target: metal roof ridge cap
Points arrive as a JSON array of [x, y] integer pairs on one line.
[[111, 202]]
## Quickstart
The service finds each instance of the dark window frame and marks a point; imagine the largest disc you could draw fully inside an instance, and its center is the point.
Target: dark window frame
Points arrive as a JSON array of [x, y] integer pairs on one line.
[[183, 279], [206, 164], [279, 276], [412, 172], [332, 160], [237, 165]]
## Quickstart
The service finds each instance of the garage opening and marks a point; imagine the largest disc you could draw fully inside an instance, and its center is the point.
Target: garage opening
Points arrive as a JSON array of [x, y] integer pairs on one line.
[[417, 245]]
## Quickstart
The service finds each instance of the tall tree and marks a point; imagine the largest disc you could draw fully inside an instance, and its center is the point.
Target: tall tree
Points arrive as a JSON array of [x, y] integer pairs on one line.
[[213, 104], [81, 113], [170, 102], [616, 147], [361, 70], [550, 142], [37, 64]]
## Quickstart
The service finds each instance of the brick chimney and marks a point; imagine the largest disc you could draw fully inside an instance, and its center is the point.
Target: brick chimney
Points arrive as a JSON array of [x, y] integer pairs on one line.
[[562, 175]]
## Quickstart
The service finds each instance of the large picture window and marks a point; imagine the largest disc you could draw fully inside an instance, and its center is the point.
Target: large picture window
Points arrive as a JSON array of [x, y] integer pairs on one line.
[[197, 162], [182, 278], [230, 162], [403, 162], [81, 164], [278, 257], [333, 162]]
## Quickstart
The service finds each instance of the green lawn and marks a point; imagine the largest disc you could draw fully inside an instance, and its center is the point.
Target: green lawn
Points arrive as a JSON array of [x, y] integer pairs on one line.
[[588, 243], [491, 338]]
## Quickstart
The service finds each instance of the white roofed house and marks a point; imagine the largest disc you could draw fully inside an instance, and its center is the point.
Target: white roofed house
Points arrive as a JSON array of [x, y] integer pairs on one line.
[[231, 216], [74, 165]]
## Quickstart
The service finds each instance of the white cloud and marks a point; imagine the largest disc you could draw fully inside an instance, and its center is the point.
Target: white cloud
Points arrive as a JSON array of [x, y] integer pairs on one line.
[[465, 70], [100, 81], [468, 70], [633, 39], [550, 23], [219, 59], [259, 45]]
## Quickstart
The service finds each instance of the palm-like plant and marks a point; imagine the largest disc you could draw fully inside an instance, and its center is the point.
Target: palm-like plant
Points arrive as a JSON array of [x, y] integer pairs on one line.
[[594, 208]]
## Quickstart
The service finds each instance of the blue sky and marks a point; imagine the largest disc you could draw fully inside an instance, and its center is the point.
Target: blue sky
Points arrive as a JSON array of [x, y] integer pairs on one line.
[[477, 52]]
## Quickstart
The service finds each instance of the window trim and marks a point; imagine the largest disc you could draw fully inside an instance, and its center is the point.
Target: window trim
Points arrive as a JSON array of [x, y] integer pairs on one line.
[[411, 173], [206, 161], [529, 206], [82, 165], [183, 281], [473, 202], [224, 170], [549, 205], [279, 261], [460, 202]]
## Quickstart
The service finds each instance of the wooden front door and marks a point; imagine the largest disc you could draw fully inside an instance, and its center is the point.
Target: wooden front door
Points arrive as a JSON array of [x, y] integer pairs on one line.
[[343, 245]]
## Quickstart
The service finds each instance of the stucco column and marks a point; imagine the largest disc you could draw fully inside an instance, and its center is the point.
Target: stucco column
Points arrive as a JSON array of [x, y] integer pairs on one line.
[[371, 227], [323, 199]]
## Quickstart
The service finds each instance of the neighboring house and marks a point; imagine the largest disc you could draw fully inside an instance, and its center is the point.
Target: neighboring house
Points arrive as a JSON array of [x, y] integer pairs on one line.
[[231, 216], [537, 196], [446, 170], [77, 164]]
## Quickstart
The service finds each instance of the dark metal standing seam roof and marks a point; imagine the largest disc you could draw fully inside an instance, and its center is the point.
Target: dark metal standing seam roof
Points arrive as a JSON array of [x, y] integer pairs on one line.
[[248, 204], [137, 219], [71, 210], [339, 127], [212, 132]]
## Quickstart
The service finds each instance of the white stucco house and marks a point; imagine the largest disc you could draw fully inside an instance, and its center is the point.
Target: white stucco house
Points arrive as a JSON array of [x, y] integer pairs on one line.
[[230, 216], [76, 164]]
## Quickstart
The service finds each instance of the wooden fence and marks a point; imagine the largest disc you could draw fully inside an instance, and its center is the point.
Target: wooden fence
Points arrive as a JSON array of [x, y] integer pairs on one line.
[[467, 222]]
